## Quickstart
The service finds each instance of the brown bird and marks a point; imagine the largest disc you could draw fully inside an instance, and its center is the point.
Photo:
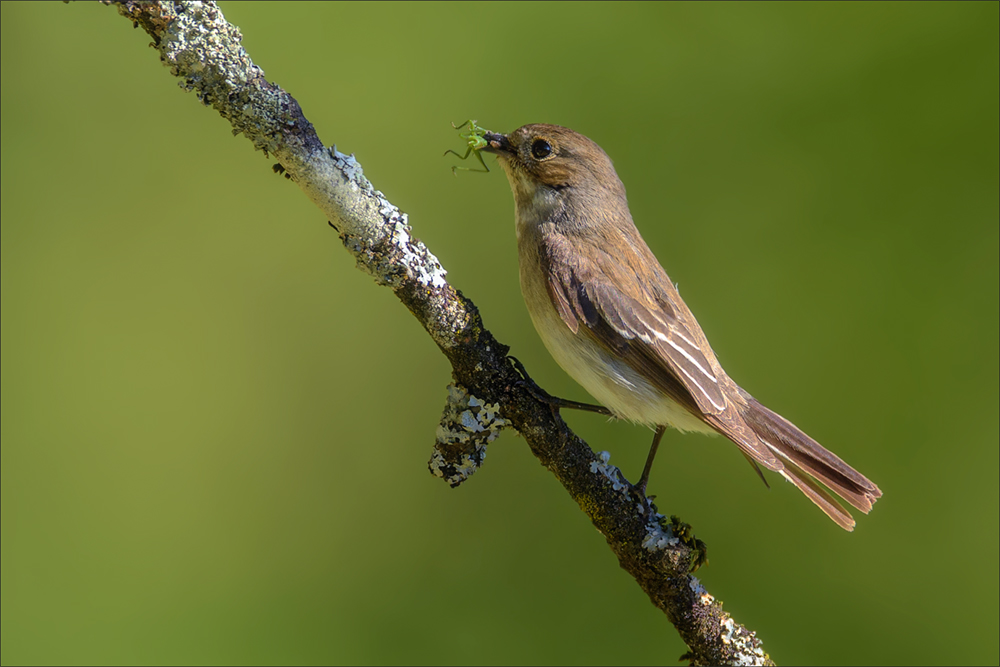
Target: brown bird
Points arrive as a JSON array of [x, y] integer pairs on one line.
[[610, 316]]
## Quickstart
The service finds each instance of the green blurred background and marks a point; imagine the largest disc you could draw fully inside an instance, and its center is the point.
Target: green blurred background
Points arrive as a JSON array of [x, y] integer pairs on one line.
[[216, 430]]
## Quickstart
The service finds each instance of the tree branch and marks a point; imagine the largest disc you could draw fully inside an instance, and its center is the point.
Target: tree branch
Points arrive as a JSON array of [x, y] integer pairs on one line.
[[203, 50]]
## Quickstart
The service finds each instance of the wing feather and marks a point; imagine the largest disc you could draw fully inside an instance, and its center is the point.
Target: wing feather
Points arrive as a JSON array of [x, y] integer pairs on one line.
[[645, 324]]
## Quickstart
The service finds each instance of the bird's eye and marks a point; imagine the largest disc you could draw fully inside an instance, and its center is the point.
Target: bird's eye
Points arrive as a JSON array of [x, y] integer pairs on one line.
[[541, 149]]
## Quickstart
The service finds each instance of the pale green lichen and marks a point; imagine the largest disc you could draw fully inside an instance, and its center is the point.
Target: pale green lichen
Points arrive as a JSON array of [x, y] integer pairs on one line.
[[657, 538], [467, 425], [748, 650], [399, 249], [205, 51], [704, 597], [610, 472]]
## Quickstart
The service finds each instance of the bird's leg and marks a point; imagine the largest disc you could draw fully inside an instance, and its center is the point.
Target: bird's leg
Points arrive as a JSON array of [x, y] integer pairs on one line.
[[550, 400], [641, 486]]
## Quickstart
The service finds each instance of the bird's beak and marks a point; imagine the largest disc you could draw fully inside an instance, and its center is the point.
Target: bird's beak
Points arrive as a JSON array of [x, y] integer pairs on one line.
[[498, 144]]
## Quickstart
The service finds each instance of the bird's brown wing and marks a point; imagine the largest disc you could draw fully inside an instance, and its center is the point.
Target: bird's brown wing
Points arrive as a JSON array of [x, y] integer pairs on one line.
[[633, 319], [642, 320]]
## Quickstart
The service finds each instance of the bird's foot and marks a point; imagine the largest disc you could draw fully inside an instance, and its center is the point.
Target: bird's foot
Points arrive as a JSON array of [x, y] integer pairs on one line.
[[543, 396]]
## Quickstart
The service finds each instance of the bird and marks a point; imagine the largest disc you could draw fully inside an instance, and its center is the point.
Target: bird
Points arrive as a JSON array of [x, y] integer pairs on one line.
[[610, 316]]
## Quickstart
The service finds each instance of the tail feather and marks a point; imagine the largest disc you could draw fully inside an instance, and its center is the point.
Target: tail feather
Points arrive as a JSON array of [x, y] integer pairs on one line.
[[801, 460], [794, 446], [818, 495]]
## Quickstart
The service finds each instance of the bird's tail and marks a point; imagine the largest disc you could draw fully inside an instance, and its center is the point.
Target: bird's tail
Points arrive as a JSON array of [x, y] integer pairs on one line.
[[804, 461]]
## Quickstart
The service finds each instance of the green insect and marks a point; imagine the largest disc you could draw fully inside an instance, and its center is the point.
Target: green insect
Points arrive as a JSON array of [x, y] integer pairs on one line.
[[475, 141]]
